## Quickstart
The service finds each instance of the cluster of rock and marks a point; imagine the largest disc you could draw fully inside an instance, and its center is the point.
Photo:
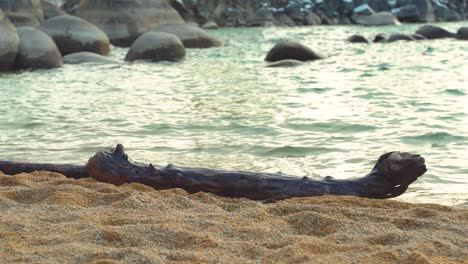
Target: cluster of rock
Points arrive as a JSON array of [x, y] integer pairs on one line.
[[423, 33], [289, 54], [313, 12], [51, 37]]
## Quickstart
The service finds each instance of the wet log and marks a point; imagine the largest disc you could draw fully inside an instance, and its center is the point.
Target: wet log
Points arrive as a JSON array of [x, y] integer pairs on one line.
[[390, 177]]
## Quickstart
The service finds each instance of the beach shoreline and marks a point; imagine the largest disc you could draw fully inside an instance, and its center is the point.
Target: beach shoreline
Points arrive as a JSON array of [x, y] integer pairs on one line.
[[48, 218]]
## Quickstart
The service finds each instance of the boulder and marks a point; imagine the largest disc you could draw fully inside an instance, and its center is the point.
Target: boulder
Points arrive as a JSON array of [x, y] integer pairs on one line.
[[377, 19], [262, 17], [26, 13], [425, 10], [381, 37], [87, 57], [289, 50], [156, 46], [189, 11], [191, 36], [125, 20], [434, 32], [9, 43], [379, 5], [293, 11], [73, 34], [357, 39], [311, 19], [462, 33], [343, 20], [210, 25], [36, 50], [281, 19], [444, 13], [407, 13]]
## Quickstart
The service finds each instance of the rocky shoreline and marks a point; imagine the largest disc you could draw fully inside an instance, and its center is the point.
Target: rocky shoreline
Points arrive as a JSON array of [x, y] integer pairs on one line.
[[158, 30]]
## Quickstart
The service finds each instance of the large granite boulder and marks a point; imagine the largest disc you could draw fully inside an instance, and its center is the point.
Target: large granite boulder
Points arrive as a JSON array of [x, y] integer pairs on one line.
[[36, 50], [9, 43], [73, 34], [192, 37], [377, 19], [125, 20], [407, 13], [462, 33], [87, 57], [444, 13], [434, 32], [26, 13], [156, 46], [289, 50]]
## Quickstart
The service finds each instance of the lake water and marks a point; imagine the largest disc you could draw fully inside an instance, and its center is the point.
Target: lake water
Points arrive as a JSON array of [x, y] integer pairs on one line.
[[221, 108]]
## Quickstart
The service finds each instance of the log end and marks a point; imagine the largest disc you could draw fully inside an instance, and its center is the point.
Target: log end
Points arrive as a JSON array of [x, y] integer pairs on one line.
[[115, 167], [394, 172]]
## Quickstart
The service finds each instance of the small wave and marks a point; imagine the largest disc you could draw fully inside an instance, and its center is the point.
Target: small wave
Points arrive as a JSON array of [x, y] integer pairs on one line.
[[333, 127], [291, 151], [434, 138], [456, 92], [33, 124], [313, 90]]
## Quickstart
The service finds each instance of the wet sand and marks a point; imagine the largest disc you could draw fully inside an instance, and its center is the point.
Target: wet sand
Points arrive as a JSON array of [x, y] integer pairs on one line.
[[47, 218]]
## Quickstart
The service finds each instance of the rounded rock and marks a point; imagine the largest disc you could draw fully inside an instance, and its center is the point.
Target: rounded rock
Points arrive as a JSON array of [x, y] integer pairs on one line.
[[462, 33], [377, 19], [434, 32], [87, 57], [381, 37], [36, 50], [192, 37], [357, 39], [124, 21], [9, 43], [72, 34], [156, 46], [289, 50]]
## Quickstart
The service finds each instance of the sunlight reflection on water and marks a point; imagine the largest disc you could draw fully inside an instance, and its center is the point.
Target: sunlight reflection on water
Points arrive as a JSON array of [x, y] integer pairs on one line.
[[222, 108]]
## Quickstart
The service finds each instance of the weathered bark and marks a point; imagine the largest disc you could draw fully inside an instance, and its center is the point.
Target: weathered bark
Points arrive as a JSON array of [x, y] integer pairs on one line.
[[390, 177], [71, 171]]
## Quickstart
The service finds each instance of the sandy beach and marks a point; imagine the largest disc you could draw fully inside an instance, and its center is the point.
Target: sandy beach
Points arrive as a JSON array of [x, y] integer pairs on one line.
[[47, 218]]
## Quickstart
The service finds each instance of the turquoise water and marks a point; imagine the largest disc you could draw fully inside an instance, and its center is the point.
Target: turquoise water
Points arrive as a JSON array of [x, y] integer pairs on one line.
[[222, 108]]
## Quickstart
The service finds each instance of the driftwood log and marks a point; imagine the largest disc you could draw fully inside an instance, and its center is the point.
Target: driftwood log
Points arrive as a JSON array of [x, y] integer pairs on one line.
[[390, 177]]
